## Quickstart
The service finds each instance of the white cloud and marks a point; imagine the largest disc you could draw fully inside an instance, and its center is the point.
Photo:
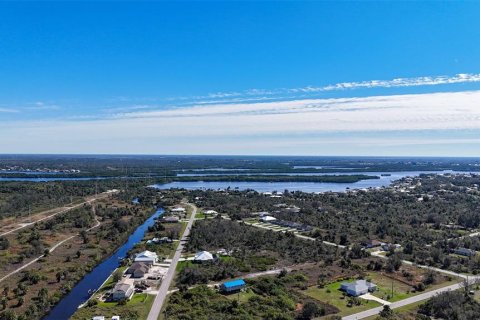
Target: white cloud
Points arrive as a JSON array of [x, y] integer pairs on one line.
[[370, 84], [286, 127], [8, 110]]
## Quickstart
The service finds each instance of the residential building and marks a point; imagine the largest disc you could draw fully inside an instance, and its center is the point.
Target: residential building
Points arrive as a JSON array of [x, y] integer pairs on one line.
[[146, 257], [357, 288], [178, 210], [203, 256], [373, 244], [171, 219], [138, 270], [232, 286], [465, 252], [123, 290], [267, 219], [210, 212]]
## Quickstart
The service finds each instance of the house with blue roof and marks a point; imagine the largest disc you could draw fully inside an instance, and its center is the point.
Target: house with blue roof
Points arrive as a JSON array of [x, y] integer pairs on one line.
[[232, 286]]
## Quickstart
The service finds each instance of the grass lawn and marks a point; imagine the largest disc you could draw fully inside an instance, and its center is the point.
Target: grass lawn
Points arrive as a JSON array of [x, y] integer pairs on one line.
[[332, 295], [139, 305], [241, 296], [384, 287], [199, 215], [408, 311], [109, 283]]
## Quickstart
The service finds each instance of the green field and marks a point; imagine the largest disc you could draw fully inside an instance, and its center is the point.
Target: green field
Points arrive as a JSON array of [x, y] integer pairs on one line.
[[331, 294], [138, 307]]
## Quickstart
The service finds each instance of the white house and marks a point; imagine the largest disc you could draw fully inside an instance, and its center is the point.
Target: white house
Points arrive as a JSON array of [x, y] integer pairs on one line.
[[210, 212], [98, 318], [203, 256], [178, 210], [146, 257], [267, 218]]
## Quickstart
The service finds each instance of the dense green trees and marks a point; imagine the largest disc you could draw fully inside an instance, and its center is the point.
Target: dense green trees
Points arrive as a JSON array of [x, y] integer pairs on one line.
[[451, 305]]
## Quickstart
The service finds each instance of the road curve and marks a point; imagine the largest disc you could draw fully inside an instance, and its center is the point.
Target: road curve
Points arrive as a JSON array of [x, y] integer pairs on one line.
[[162, 292]]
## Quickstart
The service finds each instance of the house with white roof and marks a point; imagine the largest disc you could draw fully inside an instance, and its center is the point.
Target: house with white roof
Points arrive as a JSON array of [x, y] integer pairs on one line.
[[146, 257], [178, 210], [267, 218], [203, 256], [212, 212]]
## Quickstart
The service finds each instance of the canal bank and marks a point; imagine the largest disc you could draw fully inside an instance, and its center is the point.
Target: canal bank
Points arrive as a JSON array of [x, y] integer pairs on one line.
[[93, 280]]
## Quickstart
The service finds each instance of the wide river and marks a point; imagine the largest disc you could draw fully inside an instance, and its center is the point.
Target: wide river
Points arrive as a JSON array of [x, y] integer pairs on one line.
[[264, 186], [93, 280], [299, 186]]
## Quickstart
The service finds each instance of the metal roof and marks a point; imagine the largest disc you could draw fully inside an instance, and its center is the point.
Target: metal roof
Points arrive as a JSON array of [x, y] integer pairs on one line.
[[234, 283]]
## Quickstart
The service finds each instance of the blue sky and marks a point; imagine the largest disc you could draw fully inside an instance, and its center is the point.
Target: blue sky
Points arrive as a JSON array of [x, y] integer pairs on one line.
[[240, 78]]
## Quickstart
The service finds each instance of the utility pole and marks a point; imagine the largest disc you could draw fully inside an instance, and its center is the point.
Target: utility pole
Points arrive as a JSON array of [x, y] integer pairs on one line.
[[392, 289]]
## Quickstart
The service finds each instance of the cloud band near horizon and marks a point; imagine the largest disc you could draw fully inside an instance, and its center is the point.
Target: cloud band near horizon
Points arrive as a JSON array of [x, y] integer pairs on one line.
[[429, 123]]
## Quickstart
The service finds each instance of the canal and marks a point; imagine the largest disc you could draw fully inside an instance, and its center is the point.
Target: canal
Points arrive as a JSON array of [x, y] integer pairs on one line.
[[79, 294]]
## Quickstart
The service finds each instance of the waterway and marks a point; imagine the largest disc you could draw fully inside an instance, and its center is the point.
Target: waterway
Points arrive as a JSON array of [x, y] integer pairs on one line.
[[386, 179], [79, 294]]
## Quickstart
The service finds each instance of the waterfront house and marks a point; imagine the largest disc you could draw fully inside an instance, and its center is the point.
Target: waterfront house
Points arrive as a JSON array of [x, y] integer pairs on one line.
[[171, 219], [138, 270], [123, 290], [203, 256], [178, 210], [233, 286], [146, 257], [160, 240], [357, 288]]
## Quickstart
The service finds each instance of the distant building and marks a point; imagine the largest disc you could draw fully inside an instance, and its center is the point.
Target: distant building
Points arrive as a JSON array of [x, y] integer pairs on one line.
[[123, 290], [203, 256], [357, 288], [160, 240], [210, 212], [171, 219], [178, 210], [138, 270], [146, 257], [465, 252], [390, 246], [232, 286], [373, 244], [267, 218], [98, 318], [293, 209]]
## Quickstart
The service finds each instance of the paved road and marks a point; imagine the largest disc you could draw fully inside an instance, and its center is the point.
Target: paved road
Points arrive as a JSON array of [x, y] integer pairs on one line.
[[167, 280], [25, 225], [259, 225], [401, 303], [248, 276], [417, 298], [447, 272]]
